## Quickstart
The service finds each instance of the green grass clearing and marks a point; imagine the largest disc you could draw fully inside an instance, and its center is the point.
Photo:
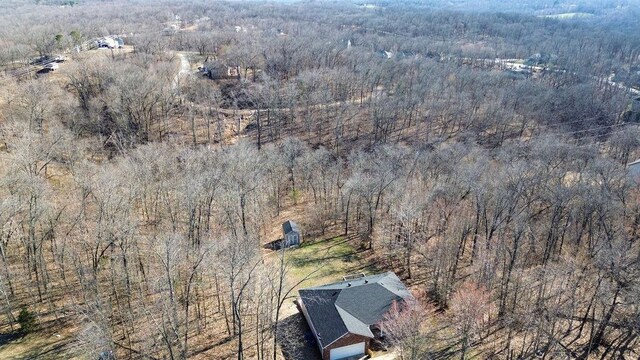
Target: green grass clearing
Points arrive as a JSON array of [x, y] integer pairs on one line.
[[329, 260]]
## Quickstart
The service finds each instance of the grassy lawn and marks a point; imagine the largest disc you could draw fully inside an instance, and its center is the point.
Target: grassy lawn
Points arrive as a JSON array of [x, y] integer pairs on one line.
[[43, 346], [321, 261], [328, 259]]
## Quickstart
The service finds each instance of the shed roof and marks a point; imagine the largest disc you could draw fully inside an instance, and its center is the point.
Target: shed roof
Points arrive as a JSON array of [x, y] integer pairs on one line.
[[289, 226]]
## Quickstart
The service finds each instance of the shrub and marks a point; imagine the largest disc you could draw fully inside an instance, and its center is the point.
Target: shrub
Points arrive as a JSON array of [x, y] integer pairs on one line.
[[27, 321]]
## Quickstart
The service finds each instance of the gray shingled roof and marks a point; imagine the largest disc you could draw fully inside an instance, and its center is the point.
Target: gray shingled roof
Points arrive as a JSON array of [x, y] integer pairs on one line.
[[289, 225], [354, 325], [378, 300], [351, 306], [320, 306]]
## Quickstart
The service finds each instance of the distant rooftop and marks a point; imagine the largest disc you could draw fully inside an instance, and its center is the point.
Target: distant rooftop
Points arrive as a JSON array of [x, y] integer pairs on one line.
[[633, 168]]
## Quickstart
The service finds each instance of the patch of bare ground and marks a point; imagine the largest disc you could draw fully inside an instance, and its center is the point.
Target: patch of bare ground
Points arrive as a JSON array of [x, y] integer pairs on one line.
[[296, 212]]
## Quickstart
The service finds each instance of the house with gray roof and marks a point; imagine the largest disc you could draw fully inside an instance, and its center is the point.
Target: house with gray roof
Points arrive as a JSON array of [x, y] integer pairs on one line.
[[217, 70], [291, 234], [344, 315], [633, 169]]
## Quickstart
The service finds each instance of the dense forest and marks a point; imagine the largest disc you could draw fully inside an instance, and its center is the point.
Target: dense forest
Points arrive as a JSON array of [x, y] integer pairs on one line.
[[150, 151]]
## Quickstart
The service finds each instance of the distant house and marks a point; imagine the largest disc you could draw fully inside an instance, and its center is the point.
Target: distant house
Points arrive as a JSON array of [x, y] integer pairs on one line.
[[345, 316], [633, 169], [539, 59], [172, 29], [216, 70], [291, 234], [107, 42]]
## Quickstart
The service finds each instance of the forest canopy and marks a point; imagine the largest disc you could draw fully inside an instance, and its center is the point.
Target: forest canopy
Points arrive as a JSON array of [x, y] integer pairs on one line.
[[481, 150]]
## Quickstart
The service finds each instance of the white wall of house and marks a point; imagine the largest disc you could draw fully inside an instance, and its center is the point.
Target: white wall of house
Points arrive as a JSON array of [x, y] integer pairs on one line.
[[347, 351]]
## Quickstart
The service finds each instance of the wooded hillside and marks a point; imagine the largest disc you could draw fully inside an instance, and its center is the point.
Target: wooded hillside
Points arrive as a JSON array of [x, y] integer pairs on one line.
[[479, 153]]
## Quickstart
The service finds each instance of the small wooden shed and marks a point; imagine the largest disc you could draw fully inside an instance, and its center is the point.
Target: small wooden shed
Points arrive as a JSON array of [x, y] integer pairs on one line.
[[291, 234]]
